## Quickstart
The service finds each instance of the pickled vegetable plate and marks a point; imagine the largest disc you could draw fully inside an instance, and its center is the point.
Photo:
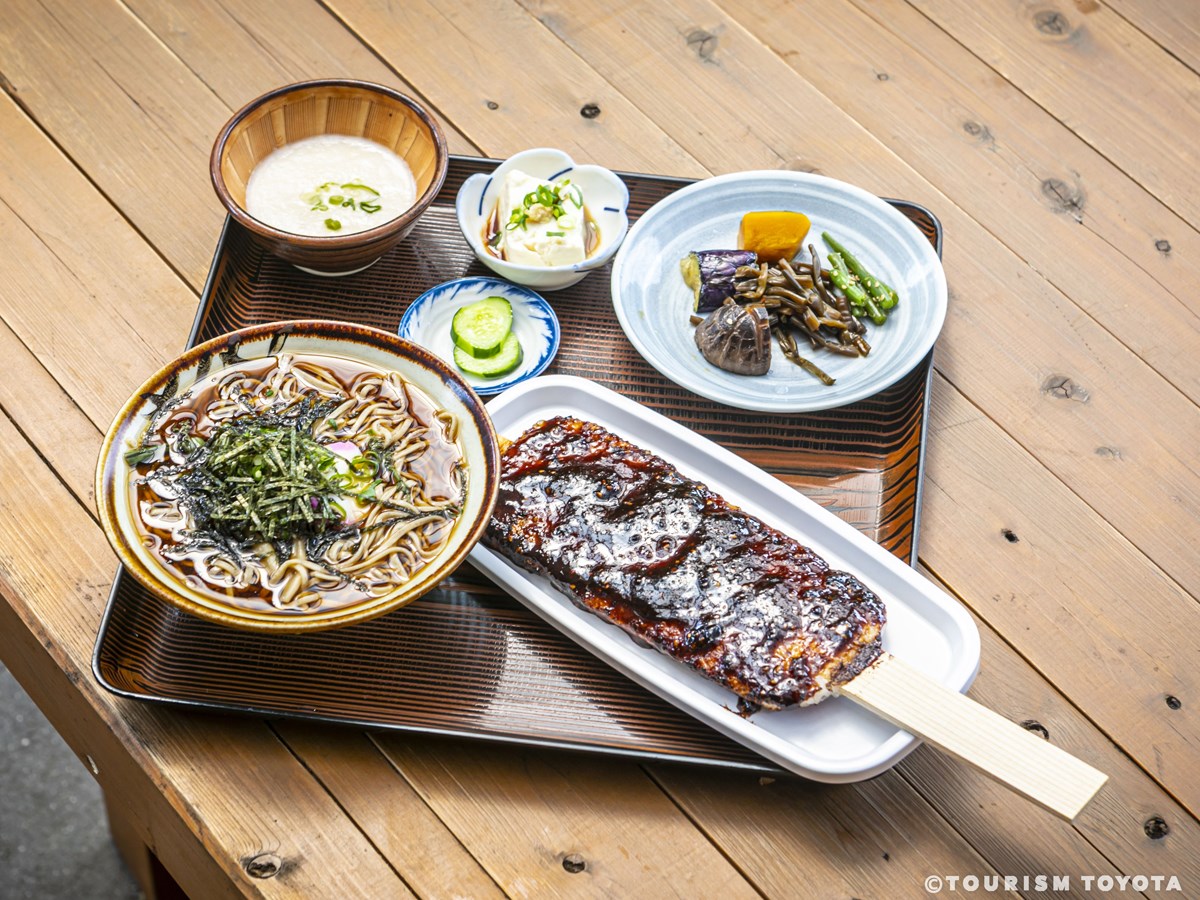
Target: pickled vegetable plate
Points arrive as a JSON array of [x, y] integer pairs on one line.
[[653, 304]]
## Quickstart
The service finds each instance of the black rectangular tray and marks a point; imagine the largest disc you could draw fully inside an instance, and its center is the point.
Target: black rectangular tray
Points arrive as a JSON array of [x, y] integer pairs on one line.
[[467, 659]]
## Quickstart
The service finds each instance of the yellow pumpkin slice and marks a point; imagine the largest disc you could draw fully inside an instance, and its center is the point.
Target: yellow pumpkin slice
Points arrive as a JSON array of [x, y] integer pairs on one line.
[[773, 235]]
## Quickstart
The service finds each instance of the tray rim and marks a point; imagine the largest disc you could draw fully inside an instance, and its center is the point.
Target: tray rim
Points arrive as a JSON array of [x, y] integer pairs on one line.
[[761, 765]]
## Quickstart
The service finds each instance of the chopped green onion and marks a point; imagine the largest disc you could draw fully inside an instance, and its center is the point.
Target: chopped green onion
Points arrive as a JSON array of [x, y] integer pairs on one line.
[[368, 206], [555, 234], [357, 186], [140, 455], [333, 224]]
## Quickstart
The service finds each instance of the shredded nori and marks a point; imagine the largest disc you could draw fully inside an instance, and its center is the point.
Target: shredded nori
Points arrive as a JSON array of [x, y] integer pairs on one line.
[[260, 477], [263, 478], [266, 482]]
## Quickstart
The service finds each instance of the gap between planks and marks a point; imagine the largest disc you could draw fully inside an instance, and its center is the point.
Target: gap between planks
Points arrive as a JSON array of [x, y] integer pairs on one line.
[[338, 803]]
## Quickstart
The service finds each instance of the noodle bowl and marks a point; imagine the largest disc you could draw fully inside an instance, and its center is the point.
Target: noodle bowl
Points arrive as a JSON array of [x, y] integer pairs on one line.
[[297, 476], [391, 453]]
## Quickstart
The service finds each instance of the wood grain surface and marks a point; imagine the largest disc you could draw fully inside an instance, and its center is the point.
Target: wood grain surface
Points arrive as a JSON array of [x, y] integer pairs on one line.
[[1056, 142]]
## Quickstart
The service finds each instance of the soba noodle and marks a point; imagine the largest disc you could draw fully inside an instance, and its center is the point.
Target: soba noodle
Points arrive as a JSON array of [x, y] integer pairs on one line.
[[395, 454]]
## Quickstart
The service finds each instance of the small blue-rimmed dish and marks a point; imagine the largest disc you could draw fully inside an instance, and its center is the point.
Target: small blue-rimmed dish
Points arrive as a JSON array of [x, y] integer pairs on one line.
[[604, 194], [427, 322]]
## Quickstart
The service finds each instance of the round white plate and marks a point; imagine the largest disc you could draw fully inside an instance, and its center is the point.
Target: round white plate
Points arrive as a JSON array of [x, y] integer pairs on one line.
[[653, 304], [427, 322]]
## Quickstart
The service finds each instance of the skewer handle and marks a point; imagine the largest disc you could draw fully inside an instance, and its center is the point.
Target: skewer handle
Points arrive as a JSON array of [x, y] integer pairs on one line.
[[1047, 775]]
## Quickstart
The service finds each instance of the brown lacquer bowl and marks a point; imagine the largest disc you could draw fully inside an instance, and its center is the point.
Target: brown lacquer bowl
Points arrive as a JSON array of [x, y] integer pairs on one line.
[[329, 106], [116, 475]]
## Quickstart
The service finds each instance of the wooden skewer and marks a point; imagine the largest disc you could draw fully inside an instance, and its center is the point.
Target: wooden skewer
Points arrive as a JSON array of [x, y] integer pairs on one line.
[[953, 722], [956, 724]]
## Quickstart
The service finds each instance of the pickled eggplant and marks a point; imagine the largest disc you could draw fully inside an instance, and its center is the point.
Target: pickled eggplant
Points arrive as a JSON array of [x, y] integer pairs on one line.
[[710, 275], [737, 338]]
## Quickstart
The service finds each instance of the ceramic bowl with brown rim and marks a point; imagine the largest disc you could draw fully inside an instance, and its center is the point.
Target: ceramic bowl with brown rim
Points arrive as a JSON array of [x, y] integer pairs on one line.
[[163, 547], [338, 106]]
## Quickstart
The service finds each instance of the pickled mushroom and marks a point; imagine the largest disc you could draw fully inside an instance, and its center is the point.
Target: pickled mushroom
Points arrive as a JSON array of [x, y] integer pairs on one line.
[[737, 338]]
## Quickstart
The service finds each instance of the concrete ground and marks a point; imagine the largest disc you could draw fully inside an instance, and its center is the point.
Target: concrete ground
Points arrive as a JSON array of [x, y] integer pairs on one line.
[[54, 842]]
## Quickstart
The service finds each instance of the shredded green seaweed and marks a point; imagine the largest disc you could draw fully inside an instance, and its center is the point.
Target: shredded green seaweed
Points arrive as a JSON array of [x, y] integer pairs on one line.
[[266, 482]]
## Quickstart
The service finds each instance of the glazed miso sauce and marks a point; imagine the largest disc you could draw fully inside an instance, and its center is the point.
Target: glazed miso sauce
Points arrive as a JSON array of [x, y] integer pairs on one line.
[[437, 470]]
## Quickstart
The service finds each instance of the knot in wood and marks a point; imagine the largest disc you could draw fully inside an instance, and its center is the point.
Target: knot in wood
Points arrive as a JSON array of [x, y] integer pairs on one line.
[[1063, 388], [1064, 198], [882, 76], [589, 111], [1037, 728], [1009, 535], [492, 104], [973, 128], [574, 863], [1162, 245], [1173, 702], [1051, 22], [265, 865], [703, 43], [1156, 828]]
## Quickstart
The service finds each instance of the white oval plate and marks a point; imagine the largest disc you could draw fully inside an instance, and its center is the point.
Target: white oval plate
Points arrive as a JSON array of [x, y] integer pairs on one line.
[[834, 741], [427, 322], [653, 304]]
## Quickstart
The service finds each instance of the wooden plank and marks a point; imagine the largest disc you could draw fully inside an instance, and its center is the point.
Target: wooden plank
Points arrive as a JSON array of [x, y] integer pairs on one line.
[[200, 784], [1174, 26], [127, 838], [48, 418], [117, 101], [545, 823], [800, 838], [1138, 101], [406, 831], [1000, 539], [1110, 837], [245, 49], [945, 113], [78, 277], [123, 105], [565, 104], [1081, 427]]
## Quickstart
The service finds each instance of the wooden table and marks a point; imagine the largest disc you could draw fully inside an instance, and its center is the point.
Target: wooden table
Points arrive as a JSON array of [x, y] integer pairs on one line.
[[1056, 141]]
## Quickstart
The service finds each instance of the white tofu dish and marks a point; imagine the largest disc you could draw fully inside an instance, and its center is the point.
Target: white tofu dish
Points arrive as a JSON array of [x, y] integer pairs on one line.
[[540, 223]]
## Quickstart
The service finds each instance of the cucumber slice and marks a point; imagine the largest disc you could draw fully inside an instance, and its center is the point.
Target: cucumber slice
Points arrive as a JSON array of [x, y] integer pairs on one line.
[[503, 362], [480, 328]]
